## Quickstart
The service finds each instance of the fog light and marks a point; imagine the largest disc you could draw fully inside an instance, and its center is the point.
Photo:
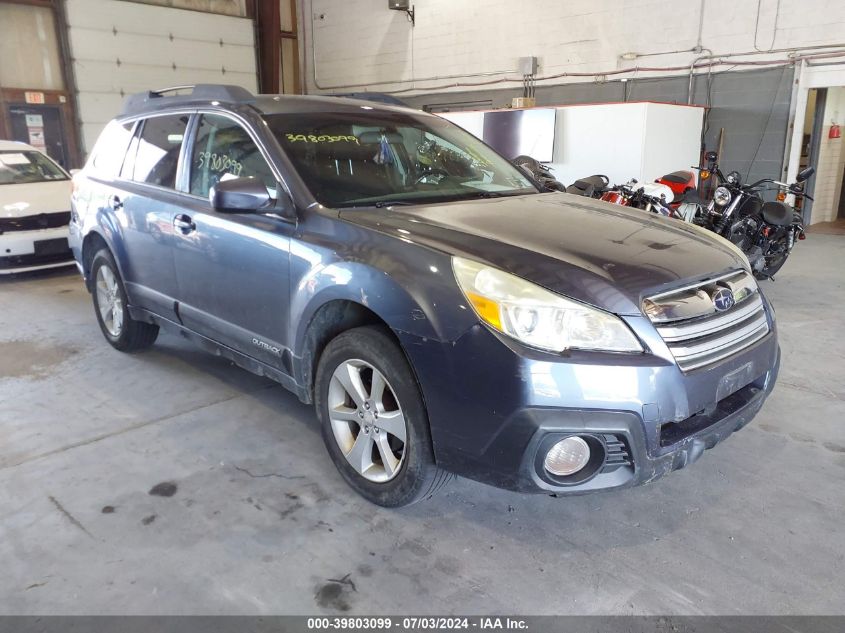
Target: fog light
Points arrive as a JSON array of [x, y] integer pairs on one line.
[[567, 457]]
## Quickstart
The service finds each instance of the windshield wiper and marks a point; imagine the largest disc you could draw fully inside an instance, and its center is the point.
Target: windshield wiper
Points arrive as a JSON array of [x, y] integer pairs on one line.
[[492, 194], [457, 197], [392, 203]]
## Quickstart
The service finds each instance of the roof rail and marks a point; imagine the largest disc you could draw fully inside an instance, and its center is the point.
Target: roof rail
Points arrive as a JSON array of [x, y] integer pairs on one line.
[[377, 97], [154, 99]]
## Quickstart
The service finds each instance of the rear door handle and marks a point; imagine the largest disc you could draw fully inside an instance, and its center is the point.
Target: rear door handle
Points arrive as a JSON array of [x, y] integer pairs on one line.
[[115, 202], [184, 224]]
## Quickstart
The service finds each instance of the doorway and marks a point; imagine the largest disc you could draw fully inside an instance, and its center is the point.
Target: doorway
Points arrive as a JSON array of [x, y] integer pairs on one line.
[[39, 126], [810, 146], [35, 82]]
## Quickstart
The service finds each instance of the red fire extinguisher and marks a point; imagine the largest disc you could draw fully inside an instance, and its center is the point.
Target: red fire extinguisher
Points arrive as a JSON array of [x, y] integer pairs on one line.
[[834, 131]]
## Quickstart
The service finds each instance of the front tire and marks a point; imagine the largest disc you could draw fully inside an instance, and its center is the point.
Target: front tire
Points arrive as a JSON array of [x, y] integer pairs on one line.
[[112, 307], [774, 261], [373, 420]]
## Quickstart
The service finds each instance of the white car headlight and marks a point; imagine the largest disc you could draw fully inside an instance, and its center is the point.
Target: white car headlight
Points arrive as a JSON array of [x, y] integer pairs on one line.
[[722, 196], [537, 317]]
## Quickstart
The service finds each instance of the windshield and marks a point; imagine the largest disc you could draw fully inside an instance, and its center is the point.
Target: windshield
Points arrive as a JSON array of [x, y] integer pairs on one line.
[[20, 167], [373, 158]]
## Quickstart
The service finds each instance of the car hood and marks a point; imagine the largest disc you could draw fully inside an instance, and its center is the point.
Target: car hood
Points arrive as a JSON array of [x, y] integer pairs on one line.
[[34, 198], [605, 255]]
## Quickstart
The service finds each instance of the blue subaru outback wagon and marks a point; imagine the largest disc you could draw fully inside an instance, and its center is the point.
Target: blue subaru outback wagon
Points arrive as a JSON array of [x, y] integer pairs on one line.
[[442, 312]]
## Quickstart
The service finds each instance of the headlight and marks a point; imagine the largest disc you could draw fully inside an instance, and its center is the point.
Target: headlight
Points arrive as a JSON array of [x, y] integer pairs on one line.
[[537, 317], [722, 196]]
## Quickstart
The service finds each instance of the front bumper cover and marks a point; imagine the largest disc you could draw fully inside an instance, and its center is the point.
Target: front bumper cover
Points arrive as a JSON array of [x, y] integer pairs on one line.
[[20, 251], [631, 460], [682, 447]]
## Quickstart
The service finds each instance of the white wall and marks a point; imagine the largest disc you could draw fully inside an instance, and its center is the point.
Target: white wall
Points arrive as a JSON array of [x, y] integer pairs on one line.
[[362, 41], [119, 48]]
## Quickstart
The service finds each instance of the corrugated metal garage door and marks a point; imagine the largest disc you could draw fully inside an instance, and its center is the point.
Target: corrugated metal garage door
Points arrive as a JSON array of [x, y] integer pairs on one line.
[[123, 47]]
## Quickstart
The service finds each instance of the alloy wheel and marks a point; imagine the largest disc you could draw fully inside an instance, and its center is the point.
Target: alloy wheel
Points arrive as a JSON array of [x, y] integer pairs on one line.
[[367, 420], [109, 301]]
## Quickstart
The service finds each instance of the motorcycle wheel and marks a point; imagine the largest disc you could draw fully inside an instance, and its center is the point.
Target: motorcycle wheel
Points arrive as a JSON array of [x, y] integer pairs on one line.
[[774, 263]]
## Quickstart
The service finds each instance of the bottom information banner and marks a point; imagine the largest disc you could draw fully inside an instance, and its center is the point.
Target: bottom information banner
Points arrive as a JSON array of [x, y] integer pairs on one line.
[[403, 623]]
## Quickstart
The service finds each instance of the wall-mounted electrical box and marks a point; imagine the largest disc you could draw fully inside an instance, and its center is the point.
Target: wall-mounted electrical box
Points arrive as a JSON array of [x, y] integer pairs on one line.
[[527, 65]]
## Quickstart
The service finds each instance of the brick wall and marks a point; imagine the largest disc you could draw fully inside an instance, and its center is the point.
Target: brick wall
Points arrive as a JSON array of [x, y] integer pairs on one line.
[[362, 41]]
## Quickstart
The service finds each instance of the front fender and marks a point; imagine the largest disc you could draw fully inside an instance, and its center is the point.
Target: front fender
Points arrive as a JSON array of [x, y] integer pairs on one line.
[[426, 305]]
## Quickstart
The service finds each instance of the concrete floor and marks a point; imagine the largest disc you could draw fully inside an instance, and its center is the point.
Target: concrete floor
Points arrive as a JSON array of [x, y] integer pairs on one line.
[[261, 522]]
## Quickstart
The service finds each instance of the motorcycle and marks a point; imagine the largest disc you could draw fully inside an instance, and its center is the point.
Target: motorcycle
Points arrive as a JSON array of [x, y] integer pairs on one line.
[[539, 172], [766, 231], [651, 197]]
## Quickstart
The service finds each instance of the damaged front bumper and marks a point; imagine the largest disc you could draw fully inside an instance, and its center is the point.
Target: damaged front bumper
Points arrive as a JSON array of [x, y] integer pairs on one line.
[[494, 421]]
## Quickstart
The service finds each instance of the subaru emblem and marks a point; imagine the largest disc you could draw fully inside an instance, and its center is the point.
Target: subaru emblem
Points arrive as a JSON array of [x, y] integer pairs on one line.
[[723, 300]]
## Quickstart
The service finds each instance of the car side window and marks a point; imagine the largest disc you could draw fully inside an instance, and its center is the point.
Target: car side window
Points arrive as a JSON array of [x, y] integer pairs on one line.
[[157, 158], [223, 150], [111, 147]]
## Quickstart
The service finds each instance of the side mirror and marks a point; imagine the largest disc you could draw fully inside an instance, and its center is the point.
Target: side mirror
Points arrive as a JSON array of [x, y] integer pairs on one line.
[[711, 156], [240, 195], [805, 174]]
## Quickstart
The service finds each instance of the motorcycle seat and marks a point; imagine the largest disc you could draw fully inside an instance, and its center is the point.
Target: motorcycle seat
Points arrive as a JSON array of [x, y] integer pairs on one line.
[[777, 213], [580, 188], [588, 186], [678, 177]]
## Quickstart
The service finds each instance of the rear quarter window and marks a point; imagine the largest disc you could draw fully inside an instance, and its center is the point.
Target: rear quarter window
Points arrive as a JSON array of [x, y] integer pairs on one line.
[[159, 145], [110, 150]]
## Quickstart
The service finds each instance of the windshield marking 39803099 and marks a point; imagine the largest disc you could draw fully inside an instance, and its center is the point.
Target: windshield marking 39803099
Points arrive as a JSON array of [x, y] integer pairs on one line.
[[379, 158]]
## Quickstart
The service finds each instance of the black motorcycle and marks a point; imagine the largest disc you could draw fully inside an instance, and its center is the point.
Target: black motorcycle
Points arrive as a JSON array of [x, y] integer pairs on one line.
[[766, 231]]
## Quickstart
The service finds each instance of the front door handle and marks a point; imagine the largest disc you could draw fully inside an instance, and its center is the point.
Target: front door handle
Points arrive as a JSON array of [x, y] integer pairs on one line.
[[184, 224], [115, 202]]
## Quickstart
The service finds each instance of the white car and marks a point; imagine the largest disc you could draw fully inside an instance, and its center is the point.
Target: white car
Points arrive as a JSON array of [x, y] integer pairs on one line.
[[34, 210]]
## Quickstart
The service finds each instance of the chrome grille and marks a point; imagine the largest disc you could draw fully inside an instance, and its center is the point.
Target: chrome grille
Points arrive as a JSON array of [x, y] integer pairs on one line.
[[699, 335]]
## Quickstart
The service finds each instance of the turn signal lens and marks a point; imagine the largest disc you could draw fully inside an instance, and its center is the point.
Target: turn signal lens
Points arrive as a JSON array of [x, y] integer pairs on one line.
[[781, 196], [704, 174], [487, 310]]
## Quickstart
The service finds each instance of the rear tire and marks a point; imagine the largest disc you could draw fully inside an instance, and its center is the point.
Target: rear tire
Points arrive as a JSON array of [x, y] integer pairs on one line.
[[112, 307], [373, 419]]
